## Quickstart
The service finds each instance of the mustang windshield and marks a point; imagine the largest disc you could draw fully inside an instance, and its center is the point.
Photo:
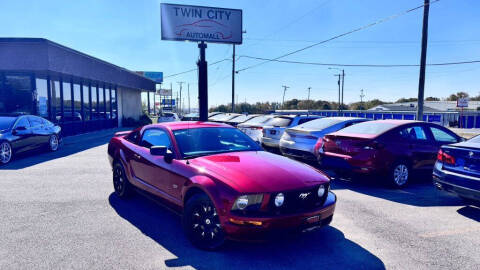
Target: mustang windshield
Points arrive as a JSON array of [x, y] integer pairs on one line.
[[207, 141]]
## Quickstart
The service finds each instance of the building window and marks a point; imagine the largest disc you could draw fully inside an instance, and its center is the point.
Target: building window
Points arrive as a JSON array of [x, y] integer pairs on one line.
[[42, 97], [16, 95], [94, 101], [107, 102], [67, 101], [55, 100], [101, 104], [114, 103], [86, 102], [77, 103]]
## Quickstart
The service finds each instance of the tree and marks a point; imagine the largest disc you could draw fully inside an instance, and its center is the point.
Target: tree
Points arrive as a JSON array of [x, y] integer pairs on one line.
[[455, 97], [403, 100], [432, 99]]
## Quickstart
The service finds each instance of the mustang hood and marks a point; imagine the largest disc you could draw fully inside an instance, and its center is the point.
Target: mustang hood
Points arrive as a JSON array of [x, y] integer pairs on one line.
[[259, 172]]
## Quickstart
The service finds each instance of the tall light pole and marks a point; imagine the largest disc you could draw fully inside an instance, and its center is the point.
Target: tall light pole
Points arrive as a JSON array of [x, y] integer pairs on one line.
[[423, 60], [284, 90], [341, 78], [180, 83], [188, 90], [233, 76], [308, 100]]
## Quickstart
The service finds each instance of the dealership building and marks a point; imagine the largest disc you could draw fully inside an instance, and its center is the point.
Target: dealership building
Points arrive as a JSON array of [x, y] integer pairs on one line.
[[79, 92]]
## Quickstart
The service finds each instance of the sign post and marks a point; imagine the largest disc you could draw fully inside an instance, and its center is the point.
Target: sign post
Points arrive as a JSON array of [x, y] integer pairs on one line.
[[201, 24], [461, 103]]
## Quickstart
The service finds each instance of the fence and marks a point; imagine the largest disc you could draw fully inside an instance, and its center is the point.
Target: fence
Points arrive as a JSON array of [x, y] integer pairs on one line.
[[447, 119]]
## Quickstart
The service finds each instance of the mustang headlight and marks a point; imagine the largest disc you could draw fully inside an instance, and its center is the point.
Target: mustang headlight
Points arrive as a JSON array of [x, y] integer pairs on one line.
[[244, 201], [321, 191], [279, 199]]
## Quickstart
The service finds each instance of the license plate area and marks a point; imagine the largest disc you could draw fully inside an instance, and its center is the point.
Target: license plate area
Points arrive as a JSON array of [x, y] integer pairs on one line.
[[312, 220]]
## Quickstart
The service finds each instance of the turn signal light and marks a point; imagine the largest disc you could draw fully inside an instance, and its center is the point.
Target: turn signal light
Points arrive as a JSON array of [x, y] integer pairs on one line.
[[445, 157], [245, 222]]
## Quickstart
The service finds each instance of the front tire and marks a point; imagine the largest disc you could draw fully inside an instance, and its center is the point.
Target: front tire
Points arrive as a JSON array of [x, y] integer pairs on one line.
[[6, 152], [201, 223], [121, 185], [400, 174], [53, 143]]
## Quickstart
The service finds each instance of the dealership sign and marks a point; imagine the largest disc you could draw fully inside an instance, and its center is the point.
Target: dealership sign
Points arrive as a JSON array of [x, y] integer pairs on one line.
[[164, 92], [462, 102], [152, 75], [196, 23]]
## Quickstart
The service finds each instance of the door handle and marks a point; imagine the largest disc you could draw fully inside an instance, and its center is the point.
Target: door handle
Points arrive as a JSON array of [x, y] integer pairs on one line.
[[137, 156]]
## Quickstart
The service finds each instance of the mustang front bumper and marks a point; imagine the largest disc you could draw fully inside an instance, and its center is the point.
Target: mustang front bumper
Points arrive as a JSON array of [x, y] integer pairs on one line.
[[262, 227]]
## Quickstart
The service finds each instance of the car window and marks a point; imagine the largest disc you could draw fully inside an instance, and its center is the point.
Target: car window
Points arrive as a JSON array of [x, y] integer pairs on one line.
[[369, 127], [279, 122], [258, 120], [413, 133], [35, 121], [205, 141], [132, 137], [155, 137], [22, 122], [442, 136], [321, 123], [304, 120]]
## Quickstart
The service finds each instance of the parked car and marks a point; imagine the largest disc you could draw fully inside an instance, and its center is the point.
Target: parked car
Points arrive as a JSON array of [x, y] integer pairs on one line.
[[240, 119], [222, 118], [223, 183], [210, 114], [457, 169], [168, 117], [300, 141], [24, 133], [274, 129], [191, 117], [254, 127], [386, 147]]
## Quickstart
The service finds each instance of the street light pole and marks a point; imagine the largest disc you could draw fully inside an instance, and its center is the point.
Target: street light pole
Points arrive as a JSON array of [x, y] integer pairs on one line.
[[308, 100], [181, 107], [283, 100]]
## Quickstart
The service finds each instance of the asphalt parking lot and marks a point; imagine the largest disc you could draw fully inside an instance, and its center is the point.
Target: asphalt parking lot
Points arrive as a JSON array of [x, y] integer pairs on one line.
[[57, 211]]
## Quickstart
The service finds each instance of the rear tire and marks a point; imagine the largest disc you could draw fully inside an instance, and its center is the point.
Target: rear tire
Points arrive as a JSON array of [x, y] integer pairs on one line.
[[6, 152], [400, 174], [201, 223], [53, 143], [121, 185]]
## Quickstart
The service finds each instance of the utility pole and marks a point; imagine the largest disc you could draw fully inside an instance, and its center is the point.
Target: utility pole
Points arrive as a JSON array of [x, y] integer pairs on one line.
[[233, 79], [188, 90], [181, 107], [343, 83], [423, 60], [339, 94], [308, 100], [362, 95], [233, 76], [284, 90], [202, 83]]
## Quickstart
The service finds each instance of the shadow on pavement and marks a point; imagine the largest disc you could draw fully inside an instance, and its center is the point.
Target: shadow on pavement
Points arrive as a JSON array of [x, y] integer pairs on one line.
[[417, 193], [324, 249], [70, 145], [470, 212]]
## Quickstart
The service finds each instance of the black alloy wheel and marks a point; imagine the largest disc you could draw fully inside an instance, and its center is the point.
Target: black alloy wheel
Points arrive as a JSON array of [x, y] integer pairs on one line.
[[202, 224], [122, 187]]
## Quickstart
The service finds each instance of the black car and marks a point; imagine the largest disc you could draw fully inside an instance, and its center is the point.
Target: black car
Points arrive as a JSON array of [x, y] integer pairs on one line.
[[26, 132]]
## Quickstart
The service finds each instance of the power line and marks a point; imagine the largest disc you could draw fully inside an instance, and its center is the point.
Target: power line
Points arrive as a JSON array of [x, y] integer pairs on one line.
[[359, 65], [339, 36], [194, 69]]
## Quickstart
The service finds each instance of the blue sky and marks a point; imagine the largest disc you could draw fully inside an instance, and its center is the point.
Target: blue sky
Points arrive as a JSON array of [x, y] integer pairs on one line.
[[127, 33]]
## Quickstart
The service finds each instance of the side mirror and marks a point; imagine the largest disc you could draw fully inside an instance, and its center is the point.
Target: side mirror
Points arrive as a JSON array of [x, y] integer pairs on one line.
[[162, 151], [168, 156], [158, 150]]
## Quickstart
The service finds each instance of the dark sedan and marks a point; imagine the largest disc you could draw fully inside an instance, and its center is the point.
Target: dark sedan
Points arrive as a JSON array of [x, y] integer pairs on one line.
[[24, 133], [458, 169], [386, 147]]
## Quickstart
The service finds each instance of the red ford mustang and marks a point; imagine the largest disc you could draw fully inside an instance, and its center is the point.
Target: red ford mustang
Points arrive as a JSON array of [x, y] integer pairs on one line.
[[225, 185]]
